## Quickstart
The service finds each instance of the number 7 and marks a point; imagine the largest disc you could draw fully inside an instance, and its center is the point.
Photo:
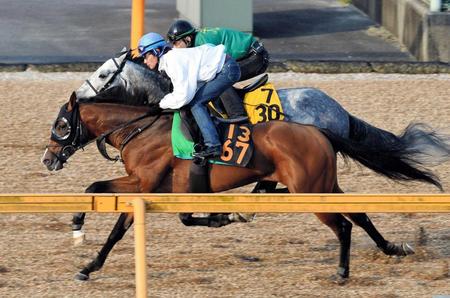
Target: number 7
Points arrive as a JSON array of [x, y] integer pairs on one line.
[[269, 95], [244, 147]]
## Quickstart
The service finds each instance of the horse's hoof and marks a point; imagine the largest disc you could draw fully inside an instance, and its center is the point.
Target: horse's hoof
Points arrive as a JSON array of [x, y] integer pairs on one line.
[[399, 250], [242, 217], [407, 249], [339, 280], [218, 221], [78, 238], [81, 276]]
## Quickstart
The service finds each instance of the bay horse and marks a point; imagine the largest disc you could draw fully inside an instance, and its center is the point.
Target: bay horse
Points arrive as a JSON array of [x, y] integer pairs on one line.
[[301, 157]]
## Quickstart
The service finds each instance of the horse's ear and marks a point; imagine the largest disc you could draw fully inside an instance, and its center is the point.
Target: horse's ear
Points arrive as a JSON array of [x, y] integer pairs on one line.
[[125, 51], [72, 101]]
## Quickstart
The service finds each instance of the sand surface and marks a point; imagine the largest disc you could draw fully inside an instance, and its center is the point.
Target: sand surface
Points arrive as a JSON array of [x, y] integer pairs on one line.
[[278, 255]]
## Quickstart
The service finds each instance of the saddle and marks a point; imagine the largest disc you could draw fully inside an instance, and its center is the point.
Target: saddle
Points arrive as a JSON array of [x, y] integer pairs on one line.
[[253, 86], [236, 138]]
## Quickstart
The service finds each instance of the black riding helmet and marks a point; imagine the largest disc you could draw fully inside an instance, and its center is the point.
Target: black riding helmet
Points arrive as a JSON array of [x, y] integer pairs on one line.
[[180, 29]]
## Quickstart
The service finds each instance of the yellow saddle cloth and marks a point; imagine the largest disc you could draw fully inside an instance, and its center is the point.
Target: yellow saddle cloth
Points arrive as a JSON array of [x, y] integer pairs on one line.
[[263, 104]]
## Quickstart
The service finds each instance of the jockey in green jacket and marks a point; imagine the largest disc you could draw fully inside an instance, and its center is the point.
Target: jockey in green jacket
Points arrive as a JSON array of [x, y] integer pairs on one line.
[[237, 43], [250, 54], [243, 47]]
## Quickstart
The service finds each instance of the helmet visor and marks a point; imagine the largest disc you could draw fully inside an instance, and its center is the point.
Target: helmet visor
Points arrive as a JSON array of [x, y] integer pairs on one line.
[[153, 52], [149, 48], [171, 37], [174, 37]]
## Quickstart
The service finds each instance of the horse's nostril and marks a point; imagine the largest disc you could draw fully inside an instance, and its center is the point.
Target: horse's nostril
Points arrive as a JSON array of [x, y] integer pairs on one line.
[[46, 162]]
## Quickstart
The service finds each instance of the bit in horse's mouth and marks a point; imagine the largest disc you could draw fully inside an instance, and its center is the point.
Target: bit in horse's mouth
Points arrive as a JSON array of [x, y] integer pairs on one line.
[[56, 165]]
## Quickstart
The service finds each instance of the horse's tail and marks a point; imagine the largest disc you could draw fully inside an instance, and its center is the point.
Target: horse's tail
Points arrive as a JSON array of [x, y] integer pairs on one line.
[[404, 157]]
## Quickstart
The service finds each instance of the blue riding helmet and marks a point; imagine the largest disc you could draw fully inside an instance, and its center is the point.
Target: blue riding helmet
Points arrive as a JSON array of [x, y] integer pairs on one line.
[[152, 42]]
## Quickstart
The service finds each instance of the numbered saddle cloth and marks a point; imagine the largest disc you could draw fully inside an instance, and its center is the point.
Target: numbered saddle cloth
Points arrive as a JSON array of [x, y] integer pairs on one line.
[[236, 140], [263, 104]]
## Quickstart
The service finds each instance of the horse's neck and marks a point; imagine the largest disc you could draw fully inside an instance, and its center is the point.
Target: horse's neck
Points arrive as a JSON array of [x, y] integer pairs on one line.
[[103, 118], [144, 84]]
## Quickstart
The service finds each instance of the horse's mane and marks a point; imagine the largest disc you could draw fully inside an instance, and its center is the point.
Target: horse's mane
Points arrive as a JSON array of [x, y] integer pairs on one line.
[[139, 86]]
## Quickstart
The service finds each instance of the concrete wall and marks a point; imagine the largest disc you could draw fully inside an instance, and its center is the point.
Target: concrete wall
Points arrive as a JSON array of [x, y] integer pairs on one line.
[[236, 14], [425, 34]]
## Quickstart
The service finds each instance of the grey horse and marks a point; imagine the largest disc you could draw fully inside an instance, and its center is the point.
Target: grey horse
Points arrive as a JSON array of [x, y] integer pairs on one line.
[[132, 83]]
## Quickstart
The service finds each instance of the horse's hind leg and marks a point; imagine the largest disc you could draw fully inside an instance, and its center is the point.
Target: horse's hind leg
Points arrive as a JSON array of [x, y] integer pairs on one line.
[[389, 248], [213, 220], [265, 187], [343, 230], [123, 224]]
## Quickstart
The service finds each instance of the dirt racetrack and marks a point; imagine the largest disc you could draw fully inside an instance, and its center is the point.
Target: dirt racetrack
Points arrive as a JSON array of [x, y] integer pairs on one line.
[[278, 255]]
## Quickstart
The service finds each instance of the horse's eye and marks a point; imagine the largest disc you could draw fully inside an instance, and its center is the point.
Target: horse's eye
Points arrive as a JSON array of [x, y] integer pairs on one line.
[[102, 76]]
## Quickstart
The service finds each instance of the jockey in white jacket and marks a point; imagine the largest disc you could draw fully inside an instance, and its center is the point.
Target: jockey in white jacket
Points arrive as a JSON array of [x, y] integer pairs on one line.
[[187, 68]]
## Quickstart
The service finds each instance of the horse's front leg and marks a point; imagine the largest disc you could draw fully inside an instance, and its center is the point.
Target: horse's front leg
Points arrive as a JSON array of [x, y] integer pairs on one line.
[[77, 228], [129, 184], [121, 227], [111, 186]]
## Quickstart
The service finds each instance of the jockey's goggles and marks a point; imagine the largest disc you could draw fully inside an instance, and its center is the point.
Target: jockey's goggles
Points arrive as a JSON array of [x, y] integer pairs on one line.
[[155, 52], [175, 37]]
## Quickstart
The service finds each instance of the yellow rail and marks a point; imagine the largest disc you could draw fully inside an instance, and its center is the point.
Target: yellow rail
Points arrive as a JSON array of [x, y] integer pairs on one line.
[[174, 203], [159, 203]]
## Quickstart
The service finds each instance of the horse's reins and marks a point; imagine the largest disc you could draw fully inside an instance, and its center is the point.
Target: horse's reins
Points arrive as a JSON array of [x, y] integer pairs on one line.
[[101, 140]]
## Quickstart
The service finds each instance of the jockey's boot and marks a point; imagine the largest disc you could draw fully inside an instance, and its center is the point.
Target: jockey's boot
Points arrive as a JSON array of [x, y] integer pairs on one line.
[[209, 152], [233, 106]]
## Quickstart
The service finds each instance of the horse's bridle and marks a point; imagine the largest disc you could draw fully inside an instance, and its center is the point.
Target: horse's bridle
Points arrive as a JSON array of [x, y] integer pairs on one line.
[[113, 77], [76, 139], [73, 139]]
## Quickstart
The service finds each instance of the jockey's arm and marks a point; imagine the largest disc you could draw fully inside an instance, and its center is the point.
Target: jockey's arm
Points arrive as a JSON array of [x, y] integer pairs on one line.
[[184, 85]]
